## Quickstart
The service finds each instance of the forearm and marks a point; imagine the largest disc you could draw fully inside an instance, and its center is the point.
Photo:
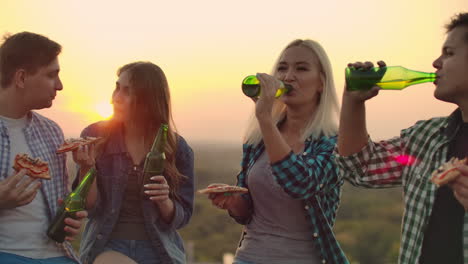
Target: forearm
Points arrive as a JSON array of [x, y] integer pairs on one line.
[[166, 210], [275, 145], [352, 135], [239, 207]]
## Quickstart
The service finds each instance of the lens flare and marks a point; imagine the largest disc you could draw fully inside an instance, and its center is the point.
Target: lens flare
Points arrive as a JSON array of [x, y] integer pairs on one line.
[[406, 160], [105, 110]]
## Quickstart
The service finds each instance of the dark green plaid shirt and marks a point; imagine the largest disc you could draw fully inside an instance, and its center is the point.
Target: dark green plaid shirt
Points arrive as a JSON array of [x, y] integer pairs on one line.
[[313, 178], [407, 161]]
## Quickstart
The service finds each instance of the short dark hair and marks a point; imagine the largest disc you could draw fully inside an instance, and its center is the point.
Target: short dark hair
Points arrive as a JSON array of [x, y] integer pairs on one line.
[[27, 51], [458, 20]]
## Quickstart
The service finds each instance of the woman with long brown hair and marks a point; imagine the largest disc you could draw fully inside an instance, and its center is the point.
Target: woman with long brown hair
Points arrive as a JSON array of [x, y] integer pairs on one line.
[[125, 227]]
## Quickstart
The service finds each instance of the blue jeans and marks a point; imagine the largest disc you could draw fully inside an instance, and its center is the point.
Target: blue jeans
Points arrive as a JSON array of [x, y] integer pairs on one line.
[[7, 258], [238, 261], [141, 251]]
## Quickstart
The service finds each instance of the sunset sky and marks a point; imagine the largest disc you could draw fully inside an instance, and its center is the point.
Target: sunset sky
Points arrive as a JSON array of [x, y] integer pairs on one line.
[[206, 47]]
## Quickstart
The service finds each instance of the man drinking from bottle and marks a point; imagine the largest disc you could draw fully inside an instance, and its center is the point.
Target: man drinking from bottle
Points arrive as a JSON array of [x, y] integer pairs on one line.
[[435, 222]]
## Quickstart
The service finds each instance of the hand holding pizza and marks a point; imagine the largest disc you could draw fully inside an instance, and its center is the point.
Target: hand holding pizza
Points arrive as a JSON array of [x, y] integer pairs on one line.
[[18, 190], [460, 186], [72, 144], [224, 201], [223, 195], [85, 156]]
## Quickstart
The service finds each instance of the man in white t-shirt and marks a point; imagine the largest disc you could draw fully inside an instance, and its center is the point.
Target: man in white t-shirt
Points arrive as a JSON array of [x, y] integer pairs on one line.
[[29, 79]]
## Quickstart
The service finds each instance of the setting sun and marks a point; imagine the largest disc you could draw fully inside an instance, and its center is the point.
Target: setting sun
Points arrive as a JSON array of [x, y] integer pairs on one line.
[[105, 110], [204, 76]]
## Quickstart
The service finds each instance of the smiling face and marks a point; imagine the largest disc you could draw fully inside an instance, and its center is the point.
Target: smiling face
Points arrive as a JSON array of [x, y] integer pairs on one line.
[[300, 67], [41, 86], [452, 68]]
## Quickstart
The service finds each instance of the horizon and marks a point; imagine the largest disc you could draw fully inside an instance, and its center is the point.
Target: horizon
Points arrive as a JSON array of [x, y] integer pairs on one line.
[[206, 49]]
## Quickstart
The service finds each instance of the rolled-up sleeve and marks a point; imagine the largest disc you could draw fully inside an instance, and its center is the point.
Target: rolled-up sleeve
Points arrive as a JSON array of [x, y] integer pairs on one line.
[[376, 165]]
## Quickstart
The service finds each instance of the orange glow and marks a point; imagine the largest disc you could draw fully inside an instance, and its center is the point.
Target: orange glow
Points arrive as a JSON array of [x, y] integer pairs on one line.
[[205, 62], [105, 110]]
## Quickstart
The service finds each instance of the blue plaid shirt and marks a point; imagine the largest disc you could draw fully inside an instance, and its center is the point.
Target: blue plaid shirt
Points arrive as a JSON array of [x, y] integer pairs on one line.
[[43, 137], [312, 177]]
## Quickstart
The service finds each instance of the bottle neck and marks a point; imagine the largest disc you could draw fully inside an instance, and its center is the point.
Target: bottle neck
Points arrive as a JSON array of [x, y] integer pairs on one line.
[[160, 140], [86, 183]]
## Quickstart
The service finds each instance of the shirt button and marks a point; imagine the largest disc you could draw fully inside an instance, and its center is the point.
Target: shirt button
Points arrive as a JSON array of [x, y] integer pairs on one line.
[[321, 186], [315, 235], [306, 207], [304, 153], [99, 236]]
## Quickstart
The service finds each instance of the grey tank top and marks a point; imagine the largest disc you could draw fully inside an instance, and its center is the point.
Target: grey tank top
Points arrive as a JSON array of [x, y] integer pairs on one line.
[[279, 231]]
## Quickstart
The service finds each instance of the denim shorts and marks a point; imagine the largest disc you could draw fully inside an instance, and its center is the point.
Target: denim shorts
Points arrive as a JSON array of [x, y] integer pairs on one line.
[[141, 251], [7, 258], [238, 261]]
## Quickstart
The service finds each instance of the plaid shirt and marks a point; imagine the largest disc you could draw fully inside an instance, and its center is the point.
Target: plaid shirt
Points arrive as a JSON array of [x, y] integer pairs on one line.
[[43, 137], [407, 161], [312, 177]]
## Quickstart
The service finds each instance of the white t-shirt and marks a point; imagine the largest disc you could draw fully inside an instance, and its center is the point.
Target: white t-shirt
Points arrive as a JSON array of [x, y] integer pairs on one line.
[[23, 229]]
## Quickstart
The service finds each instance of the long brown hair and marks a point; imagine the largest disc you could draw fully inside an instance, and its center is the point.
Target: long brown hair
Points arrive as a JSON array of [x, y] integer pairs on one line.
[[151, 106]]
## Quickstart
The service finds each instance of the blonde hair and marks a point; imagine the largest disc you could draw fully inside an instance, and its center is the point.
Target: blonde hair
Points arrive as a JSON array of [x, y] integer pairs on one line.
[[325, 119]]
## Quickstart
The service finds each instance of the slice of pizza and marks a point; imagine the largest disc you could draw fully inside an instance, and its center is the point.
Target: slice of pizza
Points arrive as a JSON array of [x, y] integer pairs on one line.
[[35, 168], [223, 188], [71, 144], [447, 171]]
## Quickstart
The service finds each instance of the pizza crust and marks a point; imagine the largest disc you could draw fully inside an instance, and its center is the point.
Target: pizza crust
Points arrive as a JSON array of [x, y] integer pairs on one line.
[[222, 188], [447, 171], [71, 144], [35, 168]]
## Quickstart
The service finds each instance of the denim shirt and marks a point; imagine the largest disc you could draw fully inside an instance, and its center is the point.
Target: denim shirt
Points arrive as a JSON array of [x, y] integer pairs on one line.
[[113, 166]]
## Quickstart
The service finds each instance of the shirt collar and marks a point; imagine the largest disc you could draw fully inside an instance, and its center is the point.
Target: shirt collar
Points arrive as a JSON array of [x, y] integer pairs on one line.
[[31, 120], [453, 123]]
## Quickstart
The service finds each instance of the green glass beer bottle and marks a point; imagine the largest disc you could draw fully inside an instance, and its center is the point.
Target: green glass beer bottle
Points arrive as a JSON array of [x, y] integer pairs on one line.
[[75, 201], [387, 78], [155, 159], [251, 87]]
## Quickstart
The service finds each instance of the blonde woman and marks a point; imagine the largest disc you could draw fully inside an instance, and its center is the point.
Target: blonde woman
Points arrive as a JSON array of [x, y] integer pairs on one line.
[[287, 165]]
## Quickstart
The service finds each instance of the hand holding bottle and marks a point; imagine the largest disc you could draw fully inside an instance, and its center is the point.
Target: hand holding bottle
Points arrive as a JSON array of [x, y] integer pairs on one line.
[[264, 104], [73, 226], [363, 77], [72, 207], [158, 191], [360, 96]]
